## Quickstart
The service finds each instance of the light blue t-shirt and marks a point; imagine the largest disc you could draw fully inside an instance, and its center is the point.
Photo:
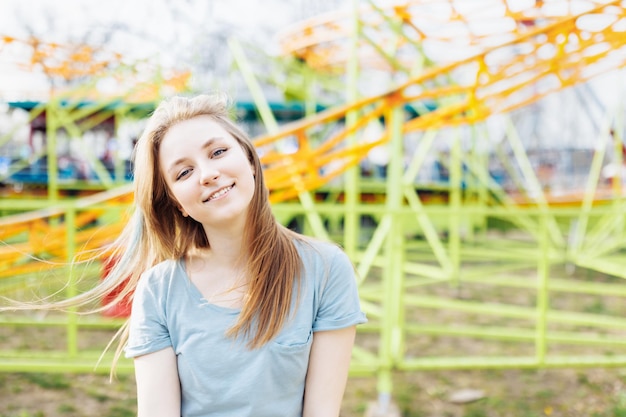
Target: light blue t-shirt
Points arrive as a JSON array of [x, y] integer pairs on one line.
[[220, 376]]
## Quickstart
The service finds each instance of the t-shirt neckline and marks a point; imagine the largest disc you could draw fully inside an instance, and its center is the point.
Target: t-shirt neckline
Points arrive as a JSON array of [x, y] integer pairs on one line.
[[196, 295]]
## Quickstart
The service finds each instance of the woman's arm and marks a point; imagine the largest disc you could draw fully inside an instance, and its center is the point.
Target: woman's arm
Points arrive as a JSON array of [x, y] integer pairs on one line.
[[158, 386], [328, 372]]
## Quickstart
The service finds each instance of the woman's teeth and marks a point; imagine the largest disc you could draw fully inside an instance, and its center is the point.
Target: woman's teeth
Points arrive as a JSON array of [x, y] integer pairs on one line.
[[220, 193]]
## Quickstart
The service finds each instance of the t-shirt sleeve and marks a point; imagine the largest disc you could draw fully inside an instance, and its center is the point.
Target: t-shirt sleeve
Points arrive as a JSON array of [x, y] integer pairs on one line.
[[339, 305], [148, 330]]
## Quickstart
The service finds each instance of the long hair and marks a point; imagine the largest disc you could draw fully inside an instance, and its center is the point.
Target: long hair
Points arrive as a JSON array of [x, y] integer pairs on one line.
[[273, 264], [157, 231]]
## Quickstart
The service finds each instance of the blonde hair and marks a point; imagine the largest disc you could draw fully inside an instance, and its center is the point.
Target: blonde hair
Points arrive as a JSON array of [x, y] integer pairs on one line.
[[273, 264], [157, 231]]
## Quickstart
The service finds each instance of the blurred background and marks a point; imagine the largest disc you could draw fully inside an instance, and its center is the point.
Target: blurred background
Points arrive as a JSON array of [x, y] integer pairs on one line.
[[468, 156]]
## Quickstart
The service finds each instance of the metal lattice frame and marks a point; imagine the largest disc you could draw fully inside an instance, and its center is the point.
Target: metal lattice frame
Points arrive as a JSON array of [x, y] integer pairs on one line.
[[420, 258]]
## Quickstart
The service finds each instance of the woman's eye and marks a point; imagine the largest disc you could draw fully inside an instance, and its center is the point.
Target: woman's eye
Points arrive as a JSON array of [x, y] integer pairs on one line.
[[218, 152], [183, 174]]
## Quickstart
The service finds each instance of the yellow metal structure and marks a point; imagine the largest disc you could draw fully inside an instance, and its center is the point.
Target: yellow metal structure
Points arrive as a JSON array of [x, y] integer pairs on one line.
[[75, 63], [457, 64], [97, 86], [454, 65], [68, 62]]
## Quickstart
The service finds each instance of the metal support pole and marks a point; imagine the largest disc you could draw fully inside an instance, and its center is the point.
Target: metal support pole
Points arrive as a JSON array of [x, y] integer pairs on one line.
[[351, 178], [392, 338], [454, 224], [543, 269], [532, 181], [71, 291], [315, 221], [51, 152]]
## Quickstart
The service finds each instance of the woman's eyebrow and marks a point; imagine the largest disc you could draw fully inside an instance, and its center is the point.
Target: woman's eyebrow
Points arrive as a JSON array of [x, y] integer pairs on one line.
[[210, 142], [205, 145]]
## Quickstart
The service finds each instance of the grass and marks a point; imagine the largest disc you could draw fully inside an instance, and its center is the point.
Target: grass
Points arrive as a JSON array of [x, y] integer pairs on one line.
[[508, 393], [594, 392], [66, 408], [48, 381], [48, 395]]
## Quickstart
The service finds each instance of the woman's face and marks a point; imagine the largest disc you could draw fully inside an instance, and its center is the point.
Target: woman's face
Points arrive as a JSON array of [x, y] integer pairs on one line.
[[207, 172]]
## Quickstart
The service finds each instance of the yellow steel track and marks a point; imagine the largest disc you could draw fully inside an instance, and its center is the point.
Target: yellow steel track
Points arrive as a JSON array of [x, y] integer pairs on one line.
[[456, 64], [530, 53]]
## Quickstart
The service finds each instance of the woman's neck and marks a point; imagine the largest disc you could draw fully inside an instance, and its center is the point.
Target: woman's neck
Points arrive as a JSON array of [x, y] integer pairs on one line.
[[226, 247]]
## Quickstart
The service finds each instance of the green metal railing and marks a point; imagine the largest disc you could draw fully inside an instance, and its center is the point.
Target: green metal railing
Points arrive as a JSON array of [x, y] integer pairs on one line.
[[481, 280], [423, 277], [53, 274], [433, 272]]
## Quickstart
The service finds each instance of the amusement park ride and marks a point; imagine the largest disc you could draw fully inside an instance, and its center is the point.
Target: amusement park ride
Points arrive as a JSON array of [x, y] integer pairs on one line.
[[438, 263]]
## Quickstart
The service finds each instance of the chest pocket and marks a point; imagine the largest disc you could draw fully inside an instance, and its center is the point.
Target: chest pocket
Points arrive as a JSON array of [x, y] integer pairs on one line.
[[289, 355], [293, 339]]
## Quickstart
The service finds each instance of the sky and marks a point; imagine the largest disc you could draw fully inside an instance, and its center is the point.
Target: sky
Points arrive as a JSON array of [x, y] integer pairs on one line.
[[196, 31], [174, 32], [152, 18], [171, 31]]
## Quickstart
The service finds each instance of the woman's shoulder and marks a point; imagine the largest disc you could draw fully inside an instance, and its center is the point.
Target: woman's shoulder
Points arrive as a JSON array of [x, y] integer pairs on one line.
[[326, 268], [316, 250], [162, 272], [162, 266], [306, 244]]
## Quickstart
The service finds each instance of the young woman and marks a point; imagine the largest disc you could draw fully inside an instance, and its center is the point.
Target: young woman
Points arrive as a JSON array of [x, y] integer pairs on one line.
[[233, 314]]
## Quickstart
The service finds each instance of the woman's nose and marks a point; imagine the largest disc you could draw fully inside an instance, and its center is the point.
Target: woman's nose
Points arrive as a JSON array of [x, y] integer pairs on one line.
[[209, 174]]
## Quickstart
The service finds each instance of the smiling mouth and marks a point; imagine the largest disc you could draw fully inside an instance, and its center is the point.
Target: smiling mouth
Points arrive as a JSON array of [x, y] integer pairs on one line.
[[219, 193]]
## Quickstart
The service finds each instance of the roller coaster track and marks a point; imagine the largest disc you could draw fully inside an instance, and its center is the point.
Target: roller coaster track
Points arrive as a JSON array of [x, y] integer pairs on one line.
[[547, 54], [497, 59], [408, 35], [37, 240], [55, 59], [549, 50], [75, 63]]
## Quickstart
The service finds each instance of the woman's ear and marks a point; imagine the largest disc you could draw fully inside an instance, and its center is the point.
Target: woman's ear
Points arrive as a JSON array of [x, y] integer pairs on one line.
[[183, 212]]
